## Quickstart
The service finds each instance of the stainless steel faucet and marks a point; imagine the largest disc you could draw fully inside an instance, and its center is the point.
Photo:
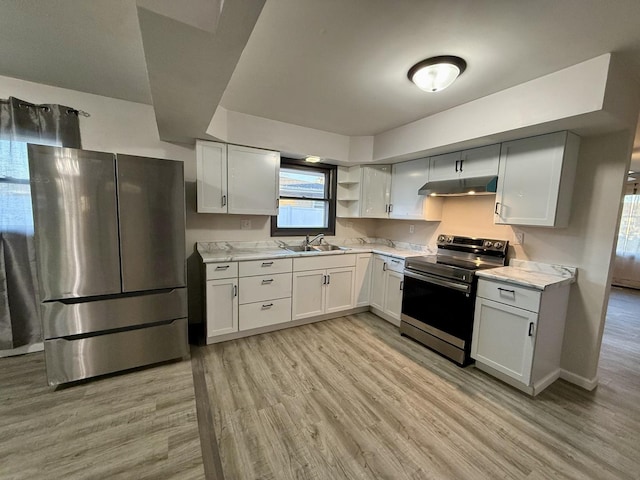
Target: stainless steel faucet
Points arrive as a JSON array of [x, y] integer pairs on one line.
[[308, 242]]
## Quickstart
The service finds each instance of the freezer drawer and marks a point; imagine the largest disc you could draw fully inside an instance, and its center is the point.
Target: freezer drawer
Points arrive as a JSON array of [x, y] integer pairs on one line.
[[69, 360], [60, 319]]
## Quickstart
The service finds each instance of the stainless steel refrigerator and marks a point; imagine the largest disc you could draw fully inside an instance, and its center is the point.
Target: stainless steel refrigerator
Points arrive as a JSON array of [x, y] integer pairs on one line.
[[110, 252]]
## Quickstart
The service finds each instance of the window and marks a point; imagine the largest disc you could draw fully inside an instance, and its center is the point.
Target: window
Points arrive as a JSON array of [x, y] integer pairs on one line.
[[629, 232], [307, 199], [15, 191]]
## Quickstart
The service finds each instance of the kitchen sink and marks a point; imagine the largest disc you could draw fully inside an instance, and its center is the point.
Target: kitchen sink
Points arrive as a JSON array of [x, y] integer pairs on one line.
[[327, 248], [299, 248], [314, 248]]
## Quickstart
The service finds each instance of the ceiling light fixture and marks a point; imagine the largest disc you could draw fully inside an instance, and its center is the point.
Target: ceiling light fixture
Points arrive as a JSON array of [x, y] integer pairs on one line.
[[436, 73], [312, 159]]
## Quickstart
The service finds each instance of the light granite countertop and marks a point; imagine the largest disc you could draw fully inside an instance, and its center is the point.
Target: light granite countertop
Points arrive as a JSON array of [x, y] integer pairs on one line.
[[536, 275], [239, 251]]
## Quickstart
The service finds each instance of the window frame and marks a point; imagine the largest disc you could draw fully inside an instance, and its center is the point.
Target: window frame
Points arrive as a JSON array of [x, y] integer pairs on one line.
[[330, 172]]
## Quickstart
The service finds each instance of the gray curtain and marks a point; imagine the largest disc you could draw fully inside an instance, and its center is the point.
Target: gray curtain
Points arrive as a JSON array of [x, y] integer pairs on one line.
[[21, 123]]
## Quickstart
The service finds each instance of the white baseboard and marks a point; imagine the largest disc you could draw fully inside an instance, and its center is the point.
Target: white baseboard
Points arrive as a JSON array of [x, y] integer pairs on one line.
[[587, 384], [384, 316], [34, 347]]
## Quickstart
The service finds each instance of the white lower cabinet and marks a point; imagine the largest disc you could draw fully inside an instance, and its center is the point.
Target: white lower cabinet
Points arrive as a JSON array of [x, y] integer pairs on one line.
[[387, 282], [222, 306], [518, 333], [246, 295], [317, 291]]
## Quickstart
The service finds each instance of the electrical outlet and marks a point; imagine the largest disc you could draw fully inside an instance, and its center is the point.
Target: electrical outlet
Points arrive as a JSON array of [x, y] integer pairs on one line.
[[518, 238], [412, 228], [245, 225]]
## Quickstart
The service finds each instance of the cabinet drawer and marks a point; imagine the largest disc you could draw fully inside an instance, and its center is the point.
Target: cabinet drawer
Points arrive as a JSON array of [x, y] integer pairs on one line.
[[261, 314], [216, 271], [265, 267], [520, 297], [258, 289], [324, 261]]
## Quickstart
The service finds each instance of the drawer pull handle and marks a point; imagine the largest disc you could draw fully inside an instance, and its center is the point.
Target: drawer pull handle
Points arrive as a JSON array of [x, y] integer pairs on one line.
[[328, 279], [267, 264], [531, 329], [401, 285], [264, 282], [224, 200], [507, 290], [395, 261], [222, 267], [235, 290], [268, 305], [496, 210], [384, 267]]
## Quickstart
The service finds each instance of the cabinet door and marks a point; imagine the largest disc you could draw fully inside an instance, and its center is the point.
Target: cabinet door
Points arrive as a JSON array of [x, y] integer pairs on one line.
[[211, 177], [375, 195], [479, 162], [378, 277], [253, 180], [504, 338], [406, 179], [529, 180], [339, 289], [364, 265], [222, 306], [393, 294], [444, 167], [308, 294]]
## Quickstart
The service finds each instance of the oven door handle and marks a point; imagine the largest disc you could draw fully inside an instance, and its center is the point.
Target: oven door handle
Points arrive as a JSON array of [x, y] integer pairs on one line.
[[438, 281]]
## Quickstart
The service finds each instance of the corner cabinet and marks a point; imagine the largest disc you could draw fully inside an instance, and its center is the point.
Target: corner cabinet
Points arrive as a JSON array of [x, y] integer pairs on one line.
[[236, 179], [405, 203], [535, 180], [375, 194], [387, 281], [518, 333]]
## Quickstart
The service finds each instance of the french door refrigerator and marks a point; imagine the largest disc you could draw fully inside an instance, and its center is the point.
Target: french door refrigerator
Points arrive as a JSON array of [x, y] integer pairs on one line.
[[110, 252]]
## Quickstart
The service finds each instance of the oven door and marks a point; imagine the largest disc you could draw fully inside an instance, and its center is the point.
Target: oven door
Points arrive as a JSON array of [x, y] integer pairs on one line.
[[440, 307]]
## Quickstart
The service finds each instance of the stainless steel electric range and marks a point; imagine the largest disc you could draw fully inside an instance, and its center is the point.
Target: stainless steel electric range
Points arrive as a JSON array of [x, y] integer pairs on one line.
[[439, 292]]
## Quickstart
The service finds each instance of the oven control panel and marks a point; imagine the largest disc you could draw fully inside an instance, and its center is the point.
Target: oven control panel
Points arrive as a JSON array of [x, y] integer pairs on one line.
[[473, 244]]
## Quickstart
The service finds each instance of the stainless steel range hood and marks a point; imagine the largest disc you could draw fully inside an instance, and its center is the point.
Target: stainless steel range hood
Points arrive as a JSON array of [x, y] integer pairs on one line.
[[461, 186]]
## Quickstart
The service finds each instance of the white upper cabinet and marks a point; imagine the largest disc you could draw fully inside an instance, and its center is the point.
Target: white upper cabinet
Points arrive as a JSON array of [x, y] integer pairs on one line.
[[211, 177], [253, 179], [406, 204], [375, 196], [476, 162], [535, 180], [235, 179]]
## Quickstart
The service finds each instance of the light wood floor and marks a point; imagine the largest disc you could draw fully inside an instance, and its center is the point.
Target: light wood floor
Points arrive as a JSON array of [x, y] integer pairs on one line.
[[350, 398], [346, 398], [141, 425]]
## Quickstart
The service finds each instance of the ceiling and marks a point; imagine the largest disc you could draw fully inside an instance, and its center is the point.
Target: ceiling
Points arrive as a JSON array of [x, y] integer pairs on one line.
[[334, 65]]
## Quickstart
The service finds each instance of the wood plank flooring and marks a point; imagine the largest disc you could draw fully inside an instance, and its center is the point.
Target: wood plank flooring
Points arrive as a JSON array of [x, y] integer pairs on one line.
[[346, 398], [350, 398], [141, 425]]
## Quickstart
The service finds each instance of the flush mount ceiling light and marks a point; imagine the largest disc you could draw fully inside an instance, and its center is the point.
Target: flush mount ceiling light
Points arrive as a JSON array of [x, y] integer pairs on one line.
[[312, 159], [436, 73]]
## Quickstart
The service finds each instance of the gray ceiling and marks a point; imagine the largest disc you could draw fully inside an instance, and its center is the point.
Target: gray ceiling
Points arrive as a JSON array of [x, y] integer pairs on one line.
[[335, 65]]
